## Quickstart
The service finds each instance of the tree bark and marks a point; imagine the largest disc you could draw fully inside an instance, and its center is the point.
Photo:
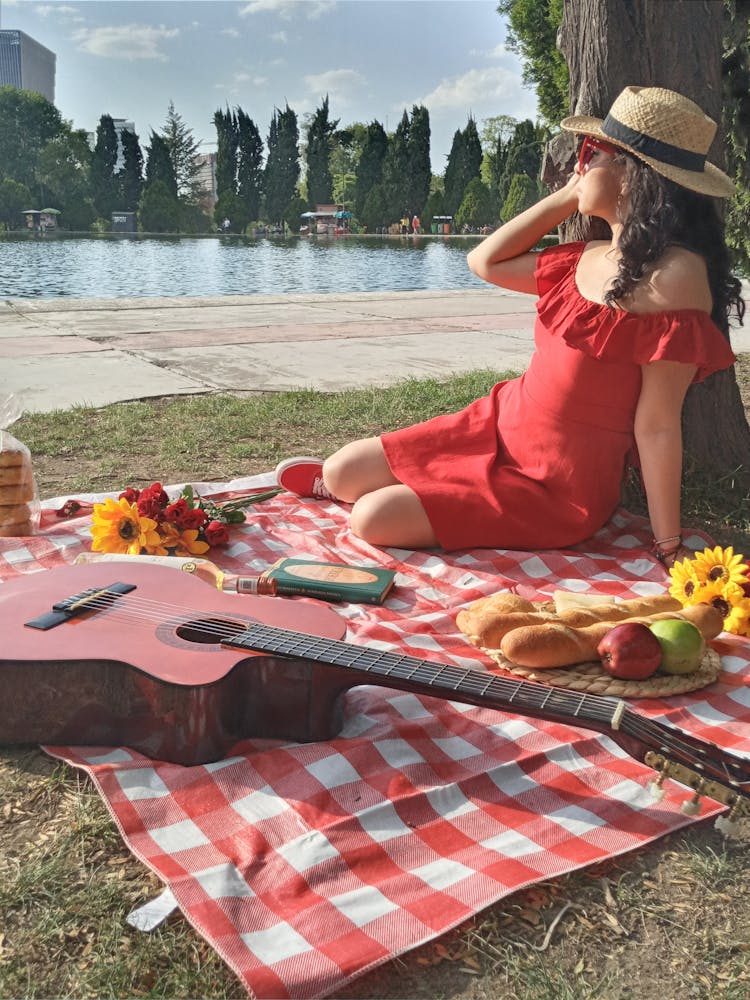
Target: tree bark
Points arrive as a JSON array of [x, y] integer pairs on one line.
[[609, 45]]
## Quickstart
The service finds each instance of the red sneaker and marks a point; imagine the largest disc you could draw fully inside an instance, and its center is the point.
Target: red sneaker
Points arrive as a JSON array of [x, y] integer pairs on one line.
[[303, 476]]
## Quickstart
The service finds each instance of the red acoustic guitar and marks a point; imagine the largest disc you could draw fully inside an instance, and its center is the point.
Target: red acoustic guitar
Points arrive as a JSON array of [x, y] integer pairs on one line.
[[140, 655]]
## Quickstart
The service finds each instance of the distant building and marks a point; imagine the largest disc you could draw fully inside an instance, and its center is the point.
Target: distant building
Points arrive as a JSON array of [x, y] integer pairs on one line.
[[206, 177], [26, 64]]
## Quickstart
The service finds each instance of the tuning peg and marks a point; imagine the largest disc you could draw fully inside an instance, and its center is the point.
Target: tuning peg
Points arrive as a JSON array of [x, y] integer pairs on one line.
[[656, 785], [726, 826], [691, 807]]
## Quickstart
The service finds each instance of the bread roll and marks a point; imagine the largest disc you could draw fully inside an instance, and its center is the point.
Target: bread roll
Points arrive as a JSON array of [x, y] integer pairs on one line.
[[19, 529], [554, 644], [10, 457], [487, 620]]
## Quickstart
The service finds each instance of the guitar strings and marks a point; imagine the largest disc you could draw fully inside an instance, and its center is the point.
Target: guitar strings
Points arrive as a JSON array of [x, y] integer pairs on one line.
[[132, 608]]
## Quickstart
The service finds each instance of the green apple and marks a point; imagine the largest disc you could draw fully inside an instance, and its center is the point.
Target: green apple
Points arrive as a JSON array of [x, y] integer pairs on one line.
[[682, 645]]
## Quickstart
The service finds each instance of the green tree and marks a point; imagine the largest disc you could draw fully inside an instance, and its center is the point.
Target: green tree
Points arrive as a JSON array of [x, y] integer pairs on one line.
[[523, 192], [64, 178], [532, 32], [375, 213], [435, 205], [249, 165], [159, 210], [420, 168], [319, 142], [477, 207], [293, 214], [370, 167], [395, 178], [131, 176], [14, 197], [282, 164], [227, 140], [464, 164], [27, 122], [183, 152], [105, 186], [159, 166]]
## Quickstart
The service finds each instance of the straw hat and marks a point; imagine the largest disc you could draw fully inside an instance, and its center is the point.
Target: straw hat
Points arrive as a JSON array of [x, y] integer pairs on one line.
[[665, 130]]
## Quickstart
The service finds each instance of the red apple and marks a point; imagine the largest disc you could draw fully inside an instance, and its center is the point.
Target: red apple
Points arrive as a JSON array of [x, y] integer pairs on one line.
[[630, 651]]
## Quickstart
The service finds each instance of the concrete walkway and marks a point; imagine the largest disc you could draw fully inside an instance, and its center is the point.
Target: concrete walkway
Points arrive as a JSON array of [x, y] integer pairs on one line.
[[57, 353]]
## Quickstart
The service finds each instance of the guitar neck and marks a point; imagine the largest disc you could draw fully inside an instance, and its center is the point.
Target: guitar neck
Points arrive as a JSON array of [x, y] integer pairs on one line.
[[693, 762], [409, 673]]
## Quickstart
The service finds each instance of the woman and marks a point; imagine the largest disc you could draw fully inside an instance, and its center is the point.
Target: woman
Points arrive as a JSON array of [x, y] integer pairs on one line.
[[623, 328]]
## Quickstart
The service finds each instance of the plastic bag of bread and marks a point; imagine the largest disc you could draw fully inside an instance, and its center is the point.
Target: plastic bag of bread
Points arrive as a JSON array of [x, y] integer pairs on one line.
[[19, 501]]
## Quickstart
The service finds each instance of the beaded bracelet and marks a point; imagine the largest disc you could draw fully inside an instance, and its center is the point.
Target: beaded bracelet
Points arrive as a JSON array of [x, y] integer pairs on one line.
[[666, 558]]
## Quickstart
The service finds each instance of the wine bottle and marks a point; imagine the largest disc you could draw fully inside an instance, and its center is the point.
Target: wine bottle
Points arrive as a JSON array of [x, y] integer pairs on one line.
[[204, 569]]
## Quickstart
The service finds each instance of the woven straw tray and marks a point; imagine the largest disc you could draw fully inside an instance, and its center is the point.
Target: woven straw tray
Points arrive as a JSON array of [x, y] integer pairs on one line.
[[592, 678]]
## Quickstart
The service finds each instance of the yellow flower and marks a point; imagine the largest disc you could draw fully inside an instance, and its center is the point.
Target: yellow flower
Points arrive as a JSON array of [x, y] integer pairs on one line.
[[184, 542], [723, 596], [118, 527], [738, 620], [685, 583], [720, 564]]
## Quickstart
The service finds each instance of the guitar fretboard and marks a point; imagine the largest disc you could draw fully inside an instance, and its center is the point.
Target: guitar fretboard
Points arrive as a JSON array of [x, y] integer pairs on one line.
[[441, 679]]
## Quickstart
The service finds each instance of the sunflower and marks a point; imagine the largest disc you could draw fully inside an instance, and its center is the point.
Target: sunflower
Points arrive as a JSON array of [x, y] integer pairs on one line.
[[118, 527], [185, 543], [722, 596], [685, 583], [738, 620], [720, 564]]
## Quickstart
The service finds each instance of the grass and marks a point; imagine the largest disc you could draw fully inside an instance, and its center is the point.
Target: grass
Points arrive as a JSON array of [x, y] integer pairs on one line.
[[672, 920]]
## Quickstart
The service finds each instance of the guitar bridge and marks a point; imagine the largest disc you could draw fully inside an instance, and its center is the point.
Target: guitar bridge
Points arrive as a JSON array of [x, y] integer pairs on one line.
[[93, 599]]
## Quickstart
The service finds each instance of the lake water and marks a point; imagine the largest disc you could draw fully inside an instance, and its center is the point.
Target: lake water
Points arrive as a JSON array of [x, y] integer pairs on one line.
[[106, 267]]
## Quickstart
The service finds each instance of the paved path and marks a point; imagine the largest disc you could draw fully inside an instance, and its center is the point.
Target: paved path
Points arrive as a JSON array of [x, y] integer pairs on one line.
[[57, 353]]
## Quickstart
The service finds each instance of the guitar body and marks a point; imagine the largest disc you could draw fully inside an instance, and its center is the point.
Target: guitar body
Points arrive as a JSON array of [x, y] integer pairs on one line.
[[149, 670]]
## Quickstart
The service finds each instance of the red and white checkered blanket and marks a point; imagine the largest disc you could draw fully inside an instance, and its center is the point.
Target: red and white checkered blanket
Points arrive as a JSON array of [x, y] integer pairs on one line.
[[306, 865]]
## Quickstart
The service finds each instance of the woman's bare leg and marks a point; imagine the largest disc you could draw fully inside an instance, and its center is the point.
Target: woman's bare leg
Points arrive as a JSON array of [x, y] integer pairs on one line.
[[358, 468], [385, 512]]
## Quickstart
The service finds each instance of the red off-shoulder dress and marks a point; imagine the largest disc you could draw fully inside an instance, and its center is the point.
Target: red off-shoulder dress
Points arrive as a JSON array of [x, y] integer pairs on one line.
[[539, 462]]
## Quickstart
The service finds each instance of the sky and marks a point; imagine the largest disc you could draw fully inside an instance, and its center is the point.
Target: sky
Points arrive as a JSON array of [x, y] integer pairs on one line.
[[373, 58]]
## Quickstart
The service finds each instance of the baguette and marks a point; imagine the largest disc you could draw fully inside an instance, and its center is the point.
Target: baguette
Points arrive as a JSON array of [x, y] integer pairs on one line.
[[487, 620], [554, 644]]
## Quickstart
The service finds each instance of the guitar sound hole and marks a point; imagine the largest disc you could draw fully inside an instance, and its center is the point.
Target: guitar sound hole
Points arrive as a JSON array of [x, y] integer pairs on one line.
[[209, 630]]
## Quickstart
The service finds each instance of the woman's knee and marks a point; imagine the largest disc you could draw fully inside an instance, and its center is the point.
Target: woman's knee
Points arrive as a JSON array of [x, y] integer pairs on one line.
[[392, 516], [357, 468]]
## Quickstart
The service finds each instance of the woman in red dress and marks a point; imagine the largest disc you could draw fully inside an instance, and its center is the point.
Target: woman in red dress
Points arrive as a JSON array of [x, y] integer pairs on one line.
[[624, 326]]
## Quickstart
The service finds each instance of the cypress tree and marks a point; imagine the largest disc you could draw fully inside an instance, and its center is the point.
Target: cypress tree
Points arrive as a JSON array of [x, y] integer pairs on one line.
[[370, 167], [396, 181], [159, 164], [319, 135], [453, 174], [131, 175], [226, 152], [103, 162], [420, 167], [282, 165], [249, 165]]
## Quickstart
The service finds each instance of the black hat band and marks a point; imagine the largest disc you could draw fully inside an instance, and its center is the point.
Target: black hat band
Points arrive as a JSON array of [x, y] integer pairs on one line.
[[655, 148]]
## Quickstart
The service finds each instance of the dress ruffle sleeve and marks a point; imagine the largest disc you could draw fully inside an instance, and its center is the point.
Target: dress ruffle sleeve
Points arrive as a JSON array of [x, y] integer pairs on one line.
[[688, 336]]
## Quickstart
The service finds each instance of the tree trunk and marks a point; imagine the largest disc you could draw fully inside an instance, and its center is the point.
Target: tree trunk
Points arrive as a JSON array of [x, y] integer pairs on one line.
[[609, 45]]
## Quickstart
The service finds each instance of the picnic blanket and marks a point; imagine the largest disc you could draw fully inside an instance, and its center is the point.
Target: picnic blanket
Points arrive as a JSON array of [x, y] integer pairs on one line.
[[305, 865]]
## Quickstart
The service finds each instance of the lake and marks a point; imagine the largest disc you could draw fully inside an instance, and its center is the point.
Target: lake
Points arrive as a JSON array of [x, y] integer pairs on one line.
[[114, 267]]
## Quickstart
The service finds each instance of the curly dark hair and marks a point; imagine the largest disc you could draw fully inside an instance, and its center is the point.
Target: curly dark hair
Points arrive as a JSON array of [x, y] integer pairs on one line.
[[662, 214]]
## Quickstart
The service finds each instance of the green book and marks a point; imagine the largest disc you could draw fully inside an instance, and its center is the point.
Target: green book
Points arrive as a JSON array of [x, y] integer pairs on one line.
[[331, 581]]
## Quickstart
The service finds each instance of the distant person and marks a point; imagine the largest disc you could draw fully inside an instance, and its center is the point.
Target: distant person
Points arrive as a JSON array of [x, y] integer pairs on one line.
[[416, 225], [624, 326]]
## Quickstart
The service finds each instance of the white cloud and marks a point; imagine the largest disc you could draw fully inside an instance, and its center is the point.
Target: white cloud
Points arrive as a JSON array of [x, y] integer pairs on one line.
[[337, 83], [256, 81], [61, 11], [286, 9], [127, 41], [232, 32], [493, 85], [280, 36]]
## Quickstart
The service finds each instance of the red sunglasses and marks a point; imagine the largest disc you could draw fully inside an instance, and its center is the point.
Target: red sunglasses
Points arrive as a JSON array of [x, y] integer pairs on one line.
[[589, 147]]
